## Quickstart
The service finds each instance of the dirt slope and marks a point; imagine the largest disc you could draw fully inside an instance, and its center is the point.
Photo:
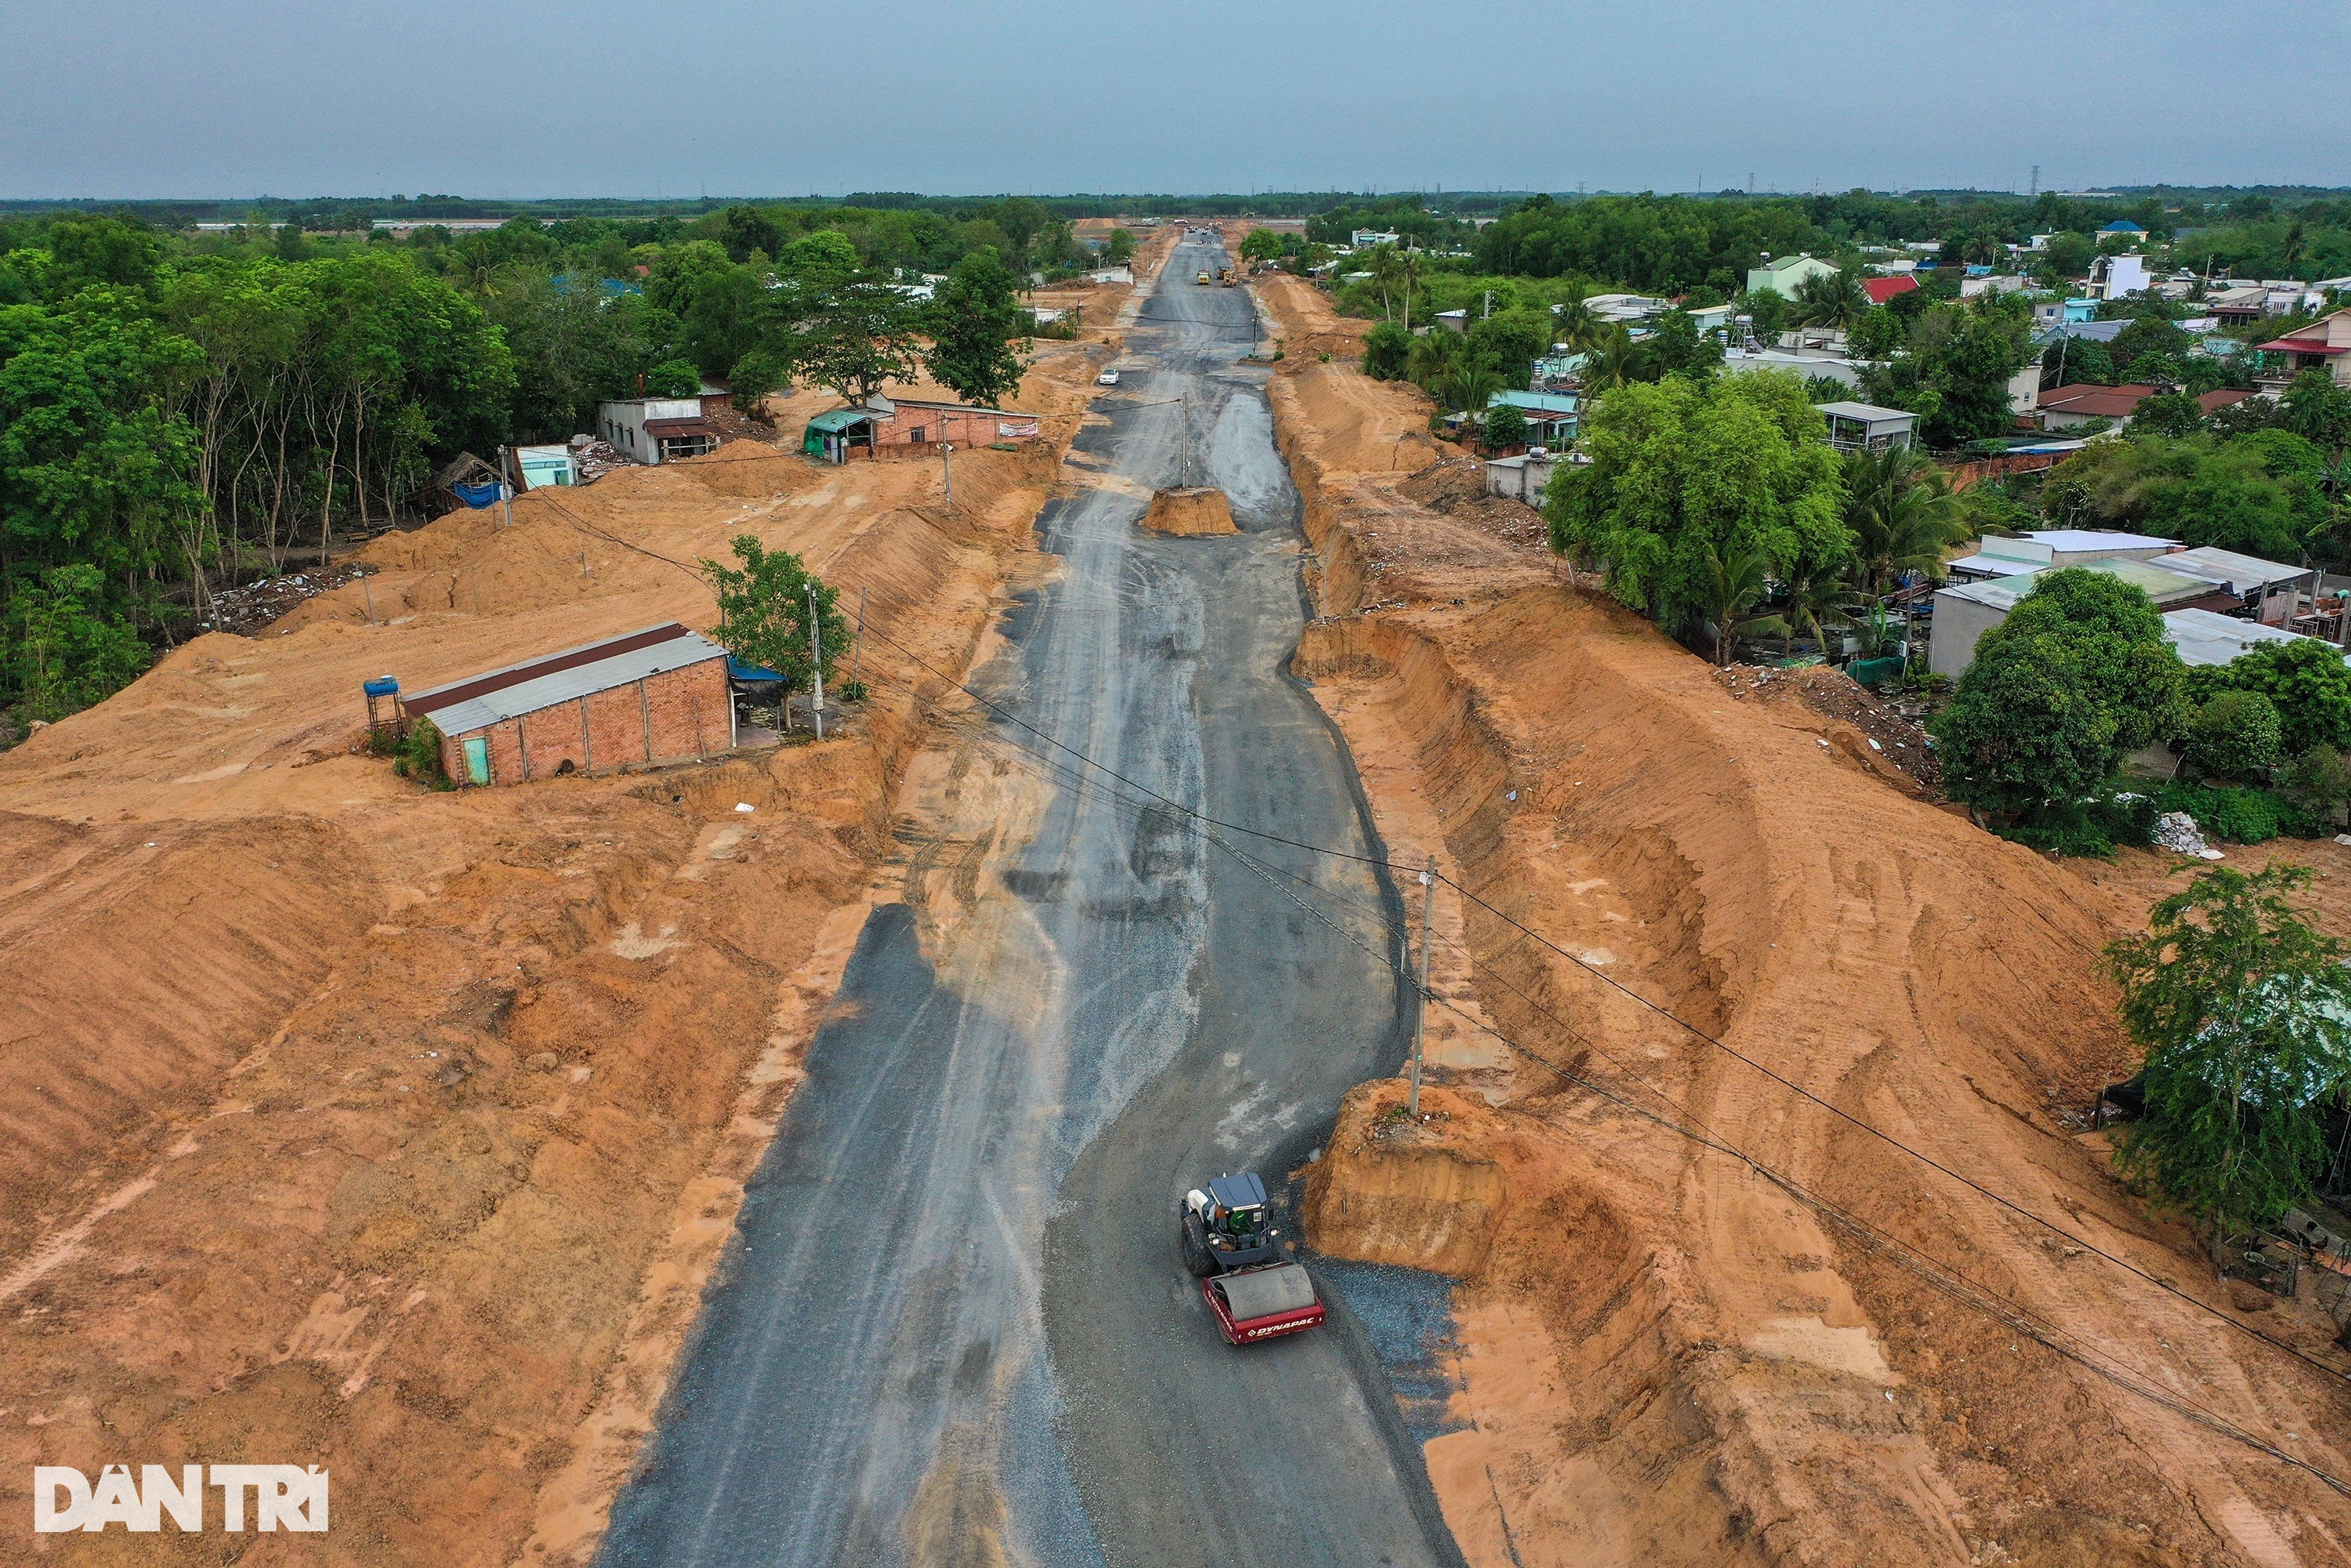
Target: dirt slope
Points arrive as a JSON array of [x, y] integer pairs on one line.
[[345, 1123], [1664, 1357]]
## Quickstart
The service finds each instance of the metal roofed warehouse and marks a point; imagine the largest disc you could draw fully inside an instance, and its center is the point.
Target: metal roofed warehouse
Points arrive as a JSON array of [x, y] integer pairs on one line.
[[654, 695]]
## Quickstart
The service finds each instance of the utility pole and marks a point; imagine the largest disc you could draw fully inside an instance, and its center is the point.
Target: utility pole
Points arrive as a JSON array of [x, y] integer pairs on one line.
[[1184, 452], [946, 469], [816, 648], [506, 493], [857, 649], [1420, 996]]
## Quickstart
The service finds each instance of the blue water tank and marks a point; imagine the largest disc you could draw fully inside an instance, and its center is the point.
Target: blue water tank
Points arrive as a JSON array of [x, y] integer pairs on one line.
[[382, 686]]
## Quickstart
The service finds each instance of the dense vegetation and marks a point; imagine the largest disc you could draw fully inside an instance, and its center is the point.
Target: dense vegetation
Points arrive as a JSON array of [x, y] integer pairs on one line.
[[180, 410], [2240, 1004]]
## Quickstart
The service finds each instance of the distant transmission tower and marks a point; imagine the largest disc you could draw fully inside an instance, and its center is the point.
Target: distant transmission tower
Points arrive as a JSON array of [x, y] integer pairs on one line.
[[1751, 182], [2034, 190]]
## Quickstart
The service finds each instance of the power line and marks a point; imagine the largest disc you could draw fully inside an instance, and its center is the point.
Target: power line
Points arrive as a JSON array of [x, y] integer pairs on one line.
[[1929, 1161], [999, 711]]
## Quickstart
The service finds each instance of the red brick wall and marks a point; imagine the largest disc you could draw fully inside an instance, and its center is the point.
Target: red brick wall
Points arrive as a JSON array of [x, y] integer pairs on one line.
[[936, 426], [688, 708]]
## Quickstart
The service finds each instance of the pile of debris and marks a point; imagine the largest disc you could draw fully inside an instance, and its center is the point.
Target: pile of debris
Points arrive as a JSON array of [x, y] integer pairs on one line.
[[592, 458], [1833, 693], [2176, 831], [245, 610]]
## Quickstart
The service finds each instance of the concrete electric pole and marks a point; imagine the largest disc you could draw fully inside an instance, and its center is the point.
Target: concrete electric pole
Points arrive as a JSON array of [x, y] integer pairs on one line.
[[816, 650]]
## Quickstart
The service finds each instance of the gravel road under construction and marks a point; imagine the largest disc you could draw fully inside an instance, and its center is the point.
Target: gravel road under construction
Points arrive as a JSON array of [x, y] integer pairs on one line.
[[955, 1327]]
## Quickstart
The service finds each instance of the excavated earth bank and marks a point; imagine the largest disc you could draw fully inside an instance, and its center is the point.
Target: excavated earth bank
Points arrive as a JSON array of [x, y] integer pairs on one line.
[[1664, 1357], [349, 1125]]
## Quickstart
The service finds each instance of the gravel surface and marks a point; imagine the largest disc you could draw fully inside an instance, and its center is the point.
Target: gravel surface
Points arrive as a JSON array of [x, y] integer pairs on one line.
[[955, 1327]]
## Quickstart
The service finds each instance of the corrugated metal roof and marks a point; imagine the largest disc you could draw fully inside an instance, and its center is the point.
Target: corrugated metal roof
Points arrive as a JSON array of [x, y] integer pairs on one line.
[[483, 700], [2206, 637], [840, 419], [2238, 573], [2163, 586], [2074, 539]]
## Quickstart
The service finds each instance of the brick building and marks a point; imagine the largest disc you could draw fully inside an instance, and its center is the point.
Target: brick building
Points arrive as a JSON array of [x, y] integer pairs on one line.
[[653, 697], [884, 424]]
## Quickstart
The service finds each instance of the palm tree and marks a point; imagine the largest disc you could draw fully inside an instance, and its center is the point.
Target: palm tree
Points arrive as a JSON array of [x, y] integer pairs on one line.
[[1384, 274], [1574, 324], [1470, 388], [1903, 515], [1408, 268], [1727, 588], [1615, 359], [1436, 357], [1830, 299], [1816, 601]]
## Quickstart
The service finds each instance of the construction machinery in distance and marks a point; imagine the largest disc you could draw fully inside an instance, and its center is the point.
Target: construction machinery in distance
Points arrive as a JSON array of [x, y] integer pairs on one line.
[[1255, 1292], [1225, 276], [1203, 277]]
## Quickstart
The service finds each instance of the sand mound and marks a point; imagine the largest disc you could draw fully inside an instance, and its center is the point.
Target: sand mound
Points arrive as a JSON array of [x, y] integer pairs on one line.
[[1190, 513]]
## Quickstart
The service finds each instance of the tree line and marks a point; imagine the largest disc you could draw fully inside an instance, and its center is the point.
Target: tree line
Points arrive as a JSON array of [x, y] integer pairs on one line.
[[177, 413]]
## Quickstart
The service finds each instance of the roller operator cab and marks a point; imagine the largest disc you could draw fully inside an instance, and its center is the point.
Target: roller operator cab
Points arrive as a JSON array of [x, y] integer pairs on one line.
[[1224, 1227], [1203, 277]]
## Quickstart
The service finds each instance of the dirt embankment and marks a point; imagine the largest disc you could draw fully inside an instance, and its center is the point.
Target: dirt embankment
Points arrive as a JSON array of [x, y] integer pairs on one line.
[[1190, 513], [1665, 1356], [344, 1123]]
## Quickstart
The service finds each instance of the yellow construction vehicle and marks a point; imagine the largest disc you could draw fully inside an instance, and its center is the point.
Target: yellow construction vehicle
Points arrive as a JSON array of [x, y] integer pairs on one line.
[[1225, 276], [1203, 277]]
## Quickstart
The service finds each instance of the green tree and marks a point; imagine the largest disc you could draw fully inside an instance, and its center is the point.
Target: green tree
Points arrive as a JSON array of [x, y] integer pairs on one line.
[[1686, 474], [2021, 728], [1433, 357], [2235, 736], [1469, 389], [63, 650], [1509, 342], [2306, 682], [1680, 349], [1727, 588], [1119, 249], [2150, 335], [2318, 410], [1830, 299], [973, 328], [672, 378], [860, 332], [1505, 426], [1903, 517], [1387, 352], [1877, 334], [1955, 372], [2243, 1008], [764, 612], [2078, 676], [1767, 314], [1262, 245], [2173, 414], [572, 349], [2317, 783]]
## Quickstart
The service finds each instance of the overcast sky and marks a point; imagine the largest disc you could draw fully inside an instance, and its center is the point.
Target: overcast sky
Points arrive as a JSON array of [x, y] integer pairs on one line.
[[510, 98]]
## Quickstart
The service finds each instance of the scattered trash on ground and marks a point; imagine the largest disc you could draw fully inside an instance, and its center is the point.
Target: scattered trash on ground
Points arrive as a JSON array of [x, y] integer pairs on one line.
[[245, 611], [1831, 692]]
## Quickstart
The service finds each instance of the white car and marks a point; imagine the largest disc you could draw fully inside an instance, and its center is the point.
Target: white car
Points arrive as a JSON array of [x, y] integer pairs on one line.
[[1107, 378]]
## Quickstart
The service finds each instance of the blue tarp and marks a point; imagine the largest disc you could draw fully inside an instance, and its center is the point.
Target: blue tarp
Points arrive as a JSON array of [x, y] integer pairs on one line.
[[479, 495], [737, 670]]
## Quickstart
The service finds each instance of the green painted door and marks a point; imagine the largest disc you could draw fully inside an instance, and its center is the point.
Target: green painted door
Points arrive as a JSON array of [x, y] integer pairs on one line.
[[478, 760]]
